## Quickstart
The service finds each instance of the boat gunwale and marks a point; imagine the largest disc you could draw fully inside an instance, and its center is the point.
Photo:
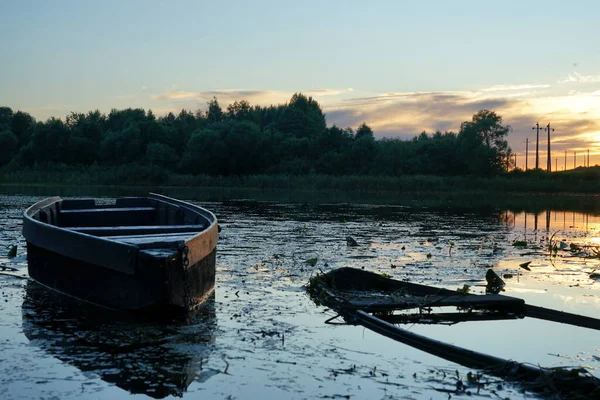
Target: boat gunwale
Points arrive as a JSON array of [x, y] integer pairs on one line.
[[115, 255], [37, 233], [206, 240]]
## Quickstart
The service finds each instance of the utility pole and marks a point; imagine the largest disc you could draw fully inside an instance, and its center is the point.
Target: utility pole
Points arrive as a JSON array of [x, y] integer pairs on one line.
[[549, 155], [565, 160], [537, 147], [574, 158], [526, 152], [556, 164], [588, 162]]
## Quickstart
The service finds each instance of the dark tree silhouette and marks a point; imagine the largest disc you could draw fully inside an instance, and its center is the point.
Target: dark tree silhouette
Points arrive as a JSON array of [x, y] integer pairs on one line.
[[214, 113], [290, 138], [483, 144], [8, 146]]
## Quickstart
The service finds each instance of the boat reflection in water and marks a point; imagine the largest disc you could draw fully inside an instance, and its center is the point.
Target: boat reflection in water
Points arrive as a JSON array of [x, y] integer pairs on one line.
[[156, 359]]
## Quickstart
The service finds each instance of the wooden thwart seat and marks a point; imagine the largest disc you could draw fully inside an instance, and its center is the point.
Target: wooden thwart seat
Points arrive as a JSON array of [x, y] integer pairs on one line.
[[152, 241], [137, 230], [112, 216]]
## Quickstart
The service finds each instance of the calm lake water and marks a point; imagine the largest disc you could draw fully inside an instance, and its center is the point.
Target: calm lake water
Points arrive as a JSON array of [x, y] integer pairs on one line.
[[262, 337]]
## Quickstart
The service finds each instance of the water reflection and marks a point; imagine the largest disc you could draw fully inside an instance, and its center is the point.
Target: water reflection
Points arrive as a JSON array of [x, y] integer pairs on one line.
[[557, 220], [158, 360], [548, 222]]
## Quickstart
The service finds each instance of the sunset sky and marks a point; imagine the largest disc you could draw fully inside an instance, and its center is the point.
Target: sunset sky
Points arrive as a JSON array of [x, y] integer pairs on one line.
[[400, 66]]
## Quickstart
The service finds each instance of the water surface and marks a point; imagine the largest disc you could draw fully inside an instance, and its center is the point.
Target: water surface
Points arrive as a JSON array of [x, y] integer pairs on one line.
[[262, 337]]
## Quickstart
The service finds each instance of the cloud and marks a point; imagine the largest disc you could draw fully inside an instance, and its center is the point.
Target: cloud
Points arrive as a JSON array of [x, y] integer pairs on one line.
[[575, 77], [174, 95], [407, 114], [199, 99], [225, 97], [507, 88], [327, 92]]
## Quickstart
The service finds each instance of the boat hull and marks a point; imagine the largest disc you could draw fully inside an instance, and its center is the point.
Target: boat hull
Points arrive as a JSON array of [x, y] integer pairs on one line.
[[159, 287], [156, 275]]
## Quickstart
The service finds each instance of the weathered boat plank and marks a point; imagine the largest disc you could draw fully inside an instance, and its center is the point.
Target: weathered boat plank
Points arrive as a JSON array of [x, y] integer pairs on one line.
[[435, 318], [158, 239], [561, 317], [137, 229], [75, 204], [416, 301], [459, 355], [202, 244], [122, 216]]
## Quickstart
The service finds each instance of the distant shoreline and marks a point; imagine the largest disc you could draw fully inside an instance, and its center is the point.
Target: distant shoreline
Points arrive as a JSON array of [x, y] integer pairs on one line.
[[516, 187], [579, 181]]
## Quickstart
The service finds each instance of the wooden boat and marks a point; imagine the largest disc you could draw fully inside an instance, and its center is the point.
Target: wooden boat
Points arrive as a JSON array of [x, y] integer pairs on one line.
[[137, 253], [380, 304]]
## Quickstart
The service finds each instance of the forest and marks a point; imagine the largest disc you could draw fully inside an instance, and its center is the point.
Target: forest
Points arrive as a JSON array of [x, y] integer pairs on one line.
[[291, 138]]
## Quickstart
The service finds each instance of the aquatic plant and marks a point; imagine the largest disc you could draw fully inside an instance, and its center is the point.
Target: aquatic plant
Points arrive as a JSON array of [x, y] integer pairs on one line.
[[351, 242], [312, 261], [12, 251]]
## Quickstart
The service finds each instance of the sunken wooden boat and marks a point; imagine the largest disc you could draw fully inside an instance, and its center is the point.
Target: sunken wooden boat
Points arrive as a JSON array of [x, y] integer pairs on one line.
[[136, 253], [382, 304]]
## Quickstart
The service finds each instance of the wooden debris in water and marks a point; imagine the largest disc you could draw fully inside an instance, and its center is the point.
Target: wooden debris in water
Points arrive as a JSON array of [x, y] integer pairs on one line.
[[495, 284], [525, 265]]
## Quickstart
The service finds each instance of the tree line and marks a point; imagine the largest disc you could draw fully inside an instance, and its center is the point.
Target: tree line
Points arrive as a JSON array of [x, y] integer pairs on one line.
[[291, 138]]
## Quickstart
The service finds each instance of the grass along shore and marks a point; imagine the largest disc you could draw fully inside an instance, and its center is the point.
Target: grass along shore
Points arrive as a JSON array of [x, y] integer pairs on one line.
[[578, 181]]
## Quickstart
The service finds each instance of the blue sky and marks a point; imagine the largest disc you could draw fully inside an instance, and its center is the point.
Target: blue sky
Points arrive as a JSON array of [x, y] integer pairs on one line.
[[401, 66]]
